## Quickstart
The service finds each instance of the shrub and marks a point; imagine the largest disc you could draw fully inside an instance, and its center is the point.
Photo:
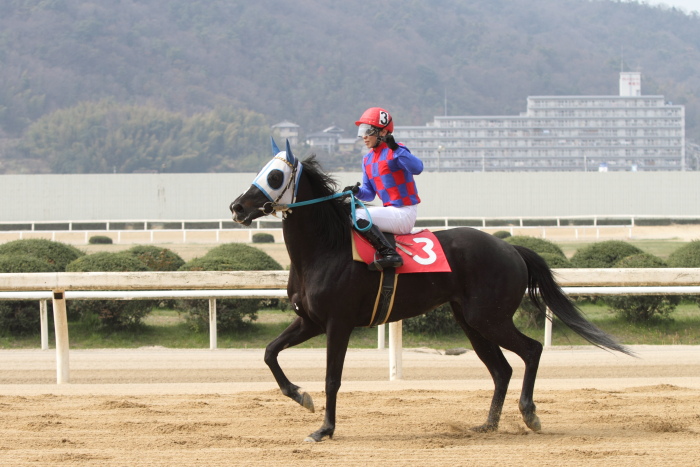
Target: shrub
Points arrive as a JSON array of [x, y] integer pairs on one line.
[[241, 257], [434, 323], [556, 261], [111, 314], [532, 315], [100, 239], [157, 259], [56, 253], [21, 317], [603, 254], [12, 263], [262, 237], [107, 262], [641, 308], [687, 256], [538, 245], [502, 234], [231, 313]]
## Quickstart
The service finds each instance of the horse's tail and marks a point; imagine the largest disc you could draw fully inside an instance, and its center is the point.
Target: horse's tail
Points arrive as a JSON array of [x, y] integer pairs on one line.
[[543, 288]]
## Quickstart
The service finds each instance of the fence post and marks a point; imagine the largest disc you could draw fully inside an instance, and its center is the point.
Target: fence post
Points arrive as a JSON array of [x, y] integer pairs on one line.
[[395, 350], [60, 321], [44, 321], [381, 337], [212, 324]]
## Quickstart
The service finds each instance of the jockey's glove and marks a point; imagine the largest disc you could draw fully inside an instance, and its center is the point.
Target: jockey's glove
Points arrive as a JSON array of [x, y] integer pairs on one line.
[[391, 142], [354, 188]]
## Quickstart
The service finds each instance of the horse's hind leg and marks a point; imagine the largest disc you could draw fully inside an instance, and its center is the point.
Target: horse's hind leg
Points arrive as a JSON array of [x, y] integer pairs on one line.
[[504, 334], [499, 368], [530, 351], [299, 331]]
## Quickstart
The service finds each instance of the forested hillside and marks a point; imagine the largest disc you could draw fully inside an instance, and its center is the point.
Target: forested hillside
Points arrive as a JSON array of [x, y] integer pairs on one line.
[[314, 62]]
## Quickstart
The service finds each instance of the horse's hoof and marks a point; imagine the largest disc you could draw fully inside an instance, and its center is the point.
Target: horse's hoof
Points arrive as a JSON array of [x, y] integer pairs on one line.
[[307, 403], [314, 437], [485, 428], [533, 422]]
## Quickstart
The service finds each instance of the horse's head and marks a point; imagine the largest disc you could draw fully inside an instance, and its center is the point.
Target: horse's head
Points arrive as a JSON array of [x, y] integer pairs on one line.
[[275, 186]]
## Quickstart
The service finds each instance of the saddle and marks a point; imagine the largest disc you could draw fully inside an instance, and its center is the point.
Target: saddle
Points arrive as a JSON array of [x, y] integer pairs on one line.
[[421, 252]]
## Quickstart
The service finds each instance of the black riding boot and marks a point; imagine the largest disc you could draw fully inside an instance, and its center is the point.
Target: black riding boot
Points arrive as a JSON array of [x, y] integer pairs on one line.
[[389, 257]]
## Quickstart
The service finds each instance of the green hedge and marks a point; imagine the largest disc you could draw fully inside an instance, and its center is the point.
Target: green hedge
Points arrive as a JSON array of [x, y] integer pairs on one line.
[[262, 237], [538, 245], [21, 317], [687, 256], [100, 239], [55, 253], [232, 314], [109, 314], [157, 259], [603, 254], [234, 257], [556, 261], [107, 262], [642, 308], [434, 323], [502, 234]]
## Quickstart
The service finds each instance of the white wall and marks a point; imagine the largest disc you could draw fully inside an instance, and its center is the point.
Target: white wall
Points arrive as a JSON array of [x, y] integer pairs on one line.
[[28, 198]]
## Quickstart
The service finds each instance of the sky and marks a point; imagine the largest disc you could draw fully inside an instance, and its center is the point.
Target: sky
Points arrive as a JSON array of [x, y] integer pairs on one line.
[[687, 5]]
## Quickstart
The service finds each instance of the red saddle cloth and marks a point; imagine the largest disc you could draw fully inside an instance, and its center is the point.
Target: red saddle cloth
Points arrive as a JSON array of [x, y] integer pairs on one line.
[[421, 252]]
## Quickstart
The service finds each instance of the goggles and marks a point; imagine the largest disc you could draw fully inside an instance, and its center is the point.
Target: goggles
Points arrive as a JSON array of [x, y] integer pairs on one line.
[[367, 130]]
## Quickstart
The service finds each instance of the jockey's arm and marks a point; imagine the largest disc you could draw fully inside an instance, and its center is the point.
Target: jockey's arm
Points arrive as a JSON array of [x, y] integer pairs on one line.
[[405, 160]]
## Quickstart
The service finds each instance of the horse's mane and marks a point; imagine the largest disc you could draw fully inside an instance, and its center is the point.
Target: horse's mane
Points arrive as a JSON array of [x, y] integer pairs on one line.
[[333, 216]]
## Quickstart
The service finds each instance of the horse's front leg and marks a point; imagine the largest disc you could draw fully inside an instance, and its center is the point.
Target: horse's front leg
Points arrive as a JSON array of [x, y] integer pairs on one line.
[[299, 331], [337, 339]]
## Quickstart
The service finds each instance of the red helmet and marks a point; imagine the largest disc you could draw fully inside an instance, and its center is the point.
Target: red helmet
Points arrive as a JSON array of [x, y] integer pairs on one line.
[[377, 117]]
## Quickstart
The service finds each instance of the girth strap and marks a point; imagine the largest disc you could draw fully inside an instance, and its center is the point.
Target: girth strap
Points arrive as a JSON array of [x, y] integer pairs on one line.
[[384, 303]]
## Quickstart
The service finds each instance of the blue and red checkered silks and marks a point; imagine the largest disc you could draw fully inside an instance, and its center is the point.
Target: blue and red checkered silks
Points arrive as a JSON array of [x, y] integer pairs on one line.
[[389, 175]]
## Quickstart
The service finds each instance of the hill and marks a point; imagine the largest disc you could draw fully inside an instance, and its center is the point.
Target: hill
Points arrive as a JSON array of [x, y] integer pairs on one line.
[[322, 62]]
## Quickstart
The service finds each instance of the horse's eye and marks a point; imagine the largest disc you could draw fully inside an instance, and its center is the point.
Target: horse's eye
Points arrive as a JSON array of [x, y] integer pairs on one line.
[[275, 179]]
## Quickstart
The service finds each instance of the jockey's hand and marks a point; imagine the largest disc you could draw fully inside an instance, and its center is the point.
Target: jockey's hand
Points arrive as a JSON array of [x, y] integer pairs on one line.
[[354, 188], [391, 142]]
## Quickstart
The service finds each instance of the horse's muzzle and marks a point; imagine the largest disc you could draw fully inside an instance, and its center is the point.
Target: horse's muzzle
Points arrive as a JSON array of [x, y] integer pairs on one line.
[[238, 214]]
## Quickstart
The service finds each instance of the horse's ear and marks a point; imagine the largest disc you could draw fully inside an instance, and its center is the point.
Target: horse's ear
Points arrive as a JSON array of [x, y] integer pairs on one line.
[[275, 149], [290, 157]]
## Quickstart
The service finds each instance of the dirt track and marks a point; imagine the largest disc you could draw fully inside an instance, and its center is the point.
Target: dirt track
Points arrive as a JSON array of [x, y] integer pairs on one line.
[[199, 407]]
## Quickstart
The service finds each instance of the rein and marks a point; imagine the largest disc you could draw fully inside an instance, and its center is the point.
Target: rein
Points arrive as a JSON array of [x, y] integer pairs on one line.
[[287, 208]]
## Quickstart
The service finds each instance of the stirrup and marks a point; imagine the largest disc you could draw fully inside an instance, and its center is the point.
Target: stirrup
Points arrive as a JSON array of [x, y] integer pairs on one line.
[[379, 264]]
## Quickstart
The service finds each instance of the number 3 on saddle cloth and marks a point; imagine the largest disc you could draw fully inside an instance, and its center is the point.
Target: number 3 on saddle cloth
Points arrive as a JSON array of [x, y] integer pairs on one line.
[[421, 252]]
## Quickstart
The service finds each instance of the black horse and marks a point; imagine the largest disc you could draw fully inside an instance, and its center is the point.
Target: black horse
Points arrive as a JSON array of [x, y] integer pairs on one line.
[[333, 294]]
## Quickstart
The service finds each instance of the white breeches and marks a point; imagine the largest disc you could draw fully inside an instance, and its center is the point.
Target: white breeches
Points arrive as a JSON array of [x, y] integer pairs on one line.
[[396, 220]]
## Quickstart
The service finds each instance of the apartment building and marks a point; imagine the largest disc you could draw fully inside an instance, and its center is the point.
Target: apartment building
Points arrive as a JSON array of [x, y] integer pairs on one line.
[[628, 132]]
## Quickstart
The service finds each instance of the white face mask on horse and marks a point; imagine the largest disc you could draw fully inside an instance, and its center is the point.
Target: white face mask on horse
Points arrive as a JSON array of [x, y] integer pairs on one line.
[[279, 179]]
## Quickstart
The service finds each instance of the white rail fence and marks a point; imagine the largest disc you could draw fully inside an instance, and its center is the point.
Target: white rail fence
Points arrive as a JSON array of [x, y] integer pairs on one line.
[[60, 287]]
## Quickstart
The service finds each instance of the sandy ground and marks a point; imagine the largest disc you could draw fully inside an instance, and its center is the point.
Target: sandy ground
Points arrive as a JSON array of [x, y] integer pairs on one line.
[[156, 406]]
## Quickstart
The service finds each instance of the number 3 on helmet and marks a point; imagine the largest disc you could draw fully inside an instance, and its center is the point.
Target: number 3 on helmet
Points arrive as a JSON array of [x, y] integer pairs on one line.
[[377, 117]]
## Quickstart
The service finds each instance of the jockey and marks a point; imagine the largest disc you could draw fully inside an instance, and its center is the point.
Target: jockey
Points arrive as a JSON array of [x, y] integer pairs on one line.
[[387, 171]]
